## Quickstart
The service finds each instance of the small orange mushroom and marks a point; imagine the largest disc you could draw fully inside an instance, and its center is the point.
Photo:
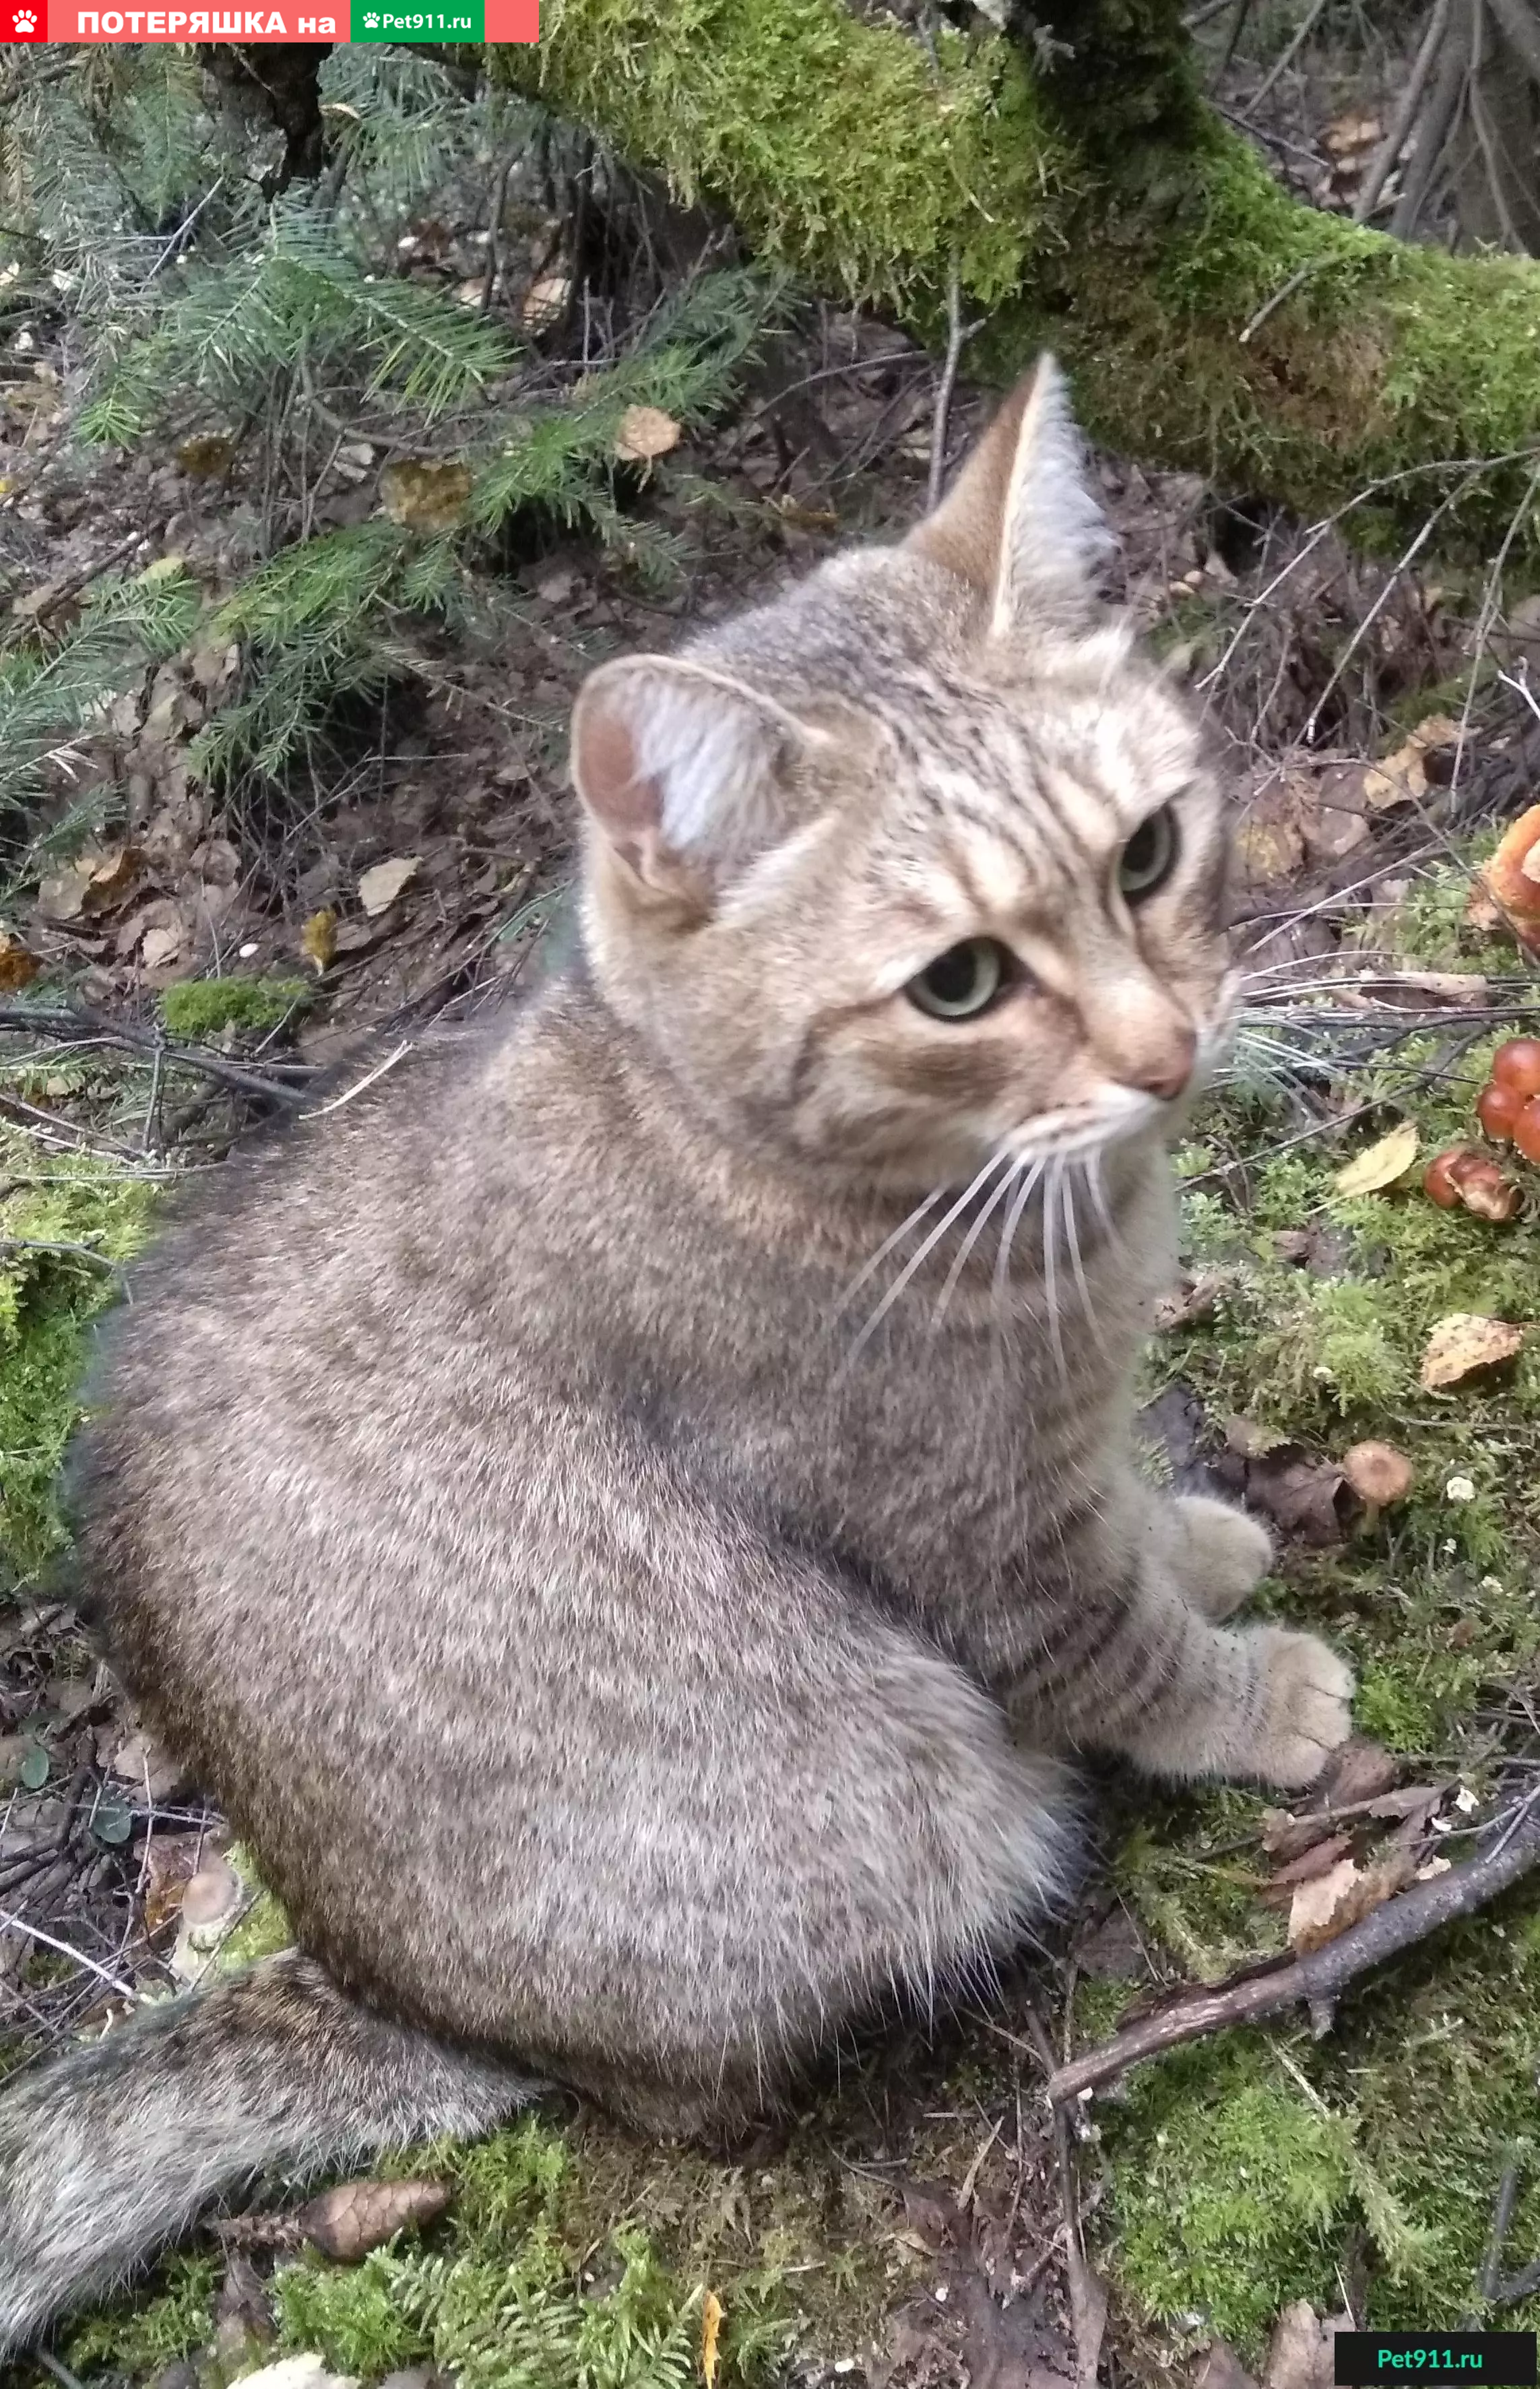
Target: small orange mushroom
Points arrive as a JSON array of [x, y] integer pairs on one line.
[[1378, 1474], [1512, 877]]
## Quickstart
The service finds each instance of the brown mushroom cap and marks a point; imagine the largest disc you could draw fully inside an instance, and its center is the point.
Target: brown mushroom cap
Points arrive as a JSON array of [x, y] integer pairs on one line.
[[1377, 1474]]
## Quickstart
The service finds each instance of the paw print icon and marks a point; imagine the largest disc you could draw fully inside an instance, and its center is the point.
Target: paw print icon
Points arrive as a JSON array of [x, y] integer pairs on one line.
[[371, 21], [24, 24]]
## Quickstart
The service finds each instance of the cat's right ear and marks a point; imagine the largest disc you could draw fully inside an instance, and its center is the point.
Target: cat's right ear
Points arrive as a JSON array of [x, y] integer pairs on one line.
[[1021, 523], [682, 770]]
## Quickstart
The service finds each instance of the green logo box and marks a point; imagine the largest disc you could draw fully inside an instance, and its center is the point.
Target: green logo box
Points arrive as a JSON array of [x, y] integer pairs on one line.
[[460, 20]]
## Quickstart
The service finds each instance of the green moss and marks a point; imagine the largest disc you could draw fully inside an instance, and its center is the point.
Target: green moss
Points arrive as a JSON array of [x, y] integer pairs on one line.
[[138, 2334], [784, 115], [66, 1221], [530, 2282], [199, 1008], [1230, 2188], [1101, 209]]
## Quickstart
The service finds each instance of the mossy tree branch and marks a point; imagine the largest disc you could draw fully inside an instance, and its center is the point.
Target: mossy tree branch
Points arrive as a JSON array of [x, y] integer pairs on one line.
[[1096, 204]]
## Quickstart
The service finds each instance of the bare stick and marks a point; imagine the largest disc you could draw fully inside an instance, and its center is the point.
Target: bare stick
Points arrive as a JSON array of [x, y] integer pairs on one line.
[[956, 336], [1286, 57], [1300, 275], [65, 1949], [1433, 130], [1492, 2257], [141, 1040], [1382, 164], [1320, 1976]]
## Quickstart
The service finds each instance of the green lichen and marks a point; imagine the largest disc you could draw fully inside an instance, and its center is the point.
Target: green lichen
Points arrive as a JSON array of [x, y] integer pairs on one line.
[[197, 1009], [67, 1221]]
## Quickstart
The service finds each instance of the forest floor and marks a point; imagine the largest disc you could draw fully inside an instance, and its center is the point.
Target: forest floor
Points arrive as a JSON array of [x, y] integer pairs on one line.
[[925, 2221]]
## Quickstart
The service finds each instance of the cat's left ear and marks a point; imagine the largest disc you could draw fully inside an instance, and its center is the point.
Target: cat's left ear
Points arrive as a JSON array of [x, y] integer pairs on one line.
[[685, 771], [1021, 523]]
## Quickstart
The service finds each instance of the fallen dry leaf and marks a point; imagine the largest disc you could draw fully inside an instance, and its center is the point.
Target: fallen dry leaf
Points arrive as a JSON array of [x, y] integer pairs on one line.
[[318, 938], [1361, 1770], [1220, 2368], [1320, 1858], [545, 301], [645, 432], [711, 2323], [1302, 2353], [1462, 1346], [1329, 1903], [206, 455], [62, 895], [1397, 778], [423, 495], [1345, 134], [17, 967], [161, 946], [348, 2221], [1385, 1161], [1308, 1497], [379, 889]]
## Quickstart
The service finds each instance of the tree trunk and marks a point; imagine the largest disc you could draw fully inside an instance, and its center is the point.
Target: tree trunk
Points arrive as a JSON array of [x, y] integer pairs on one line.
[[1088, 200]]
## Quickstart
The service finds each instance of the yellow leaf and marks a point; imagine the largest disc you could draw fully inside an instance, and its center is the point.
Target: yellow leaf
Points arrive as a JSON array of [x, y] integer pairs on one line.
[[1381, 1165], [645, 432], [1400, 777], [379, 889], [711, 2323], [205, 455], [545, 301], [1464, 1343], [425, 496], [17, 967], [318, 938]]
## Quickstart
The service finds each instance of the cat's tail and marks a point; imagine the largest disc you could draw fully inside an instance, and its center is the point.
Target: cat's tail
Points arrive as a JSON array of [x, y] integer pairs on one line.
[[114, 2149]]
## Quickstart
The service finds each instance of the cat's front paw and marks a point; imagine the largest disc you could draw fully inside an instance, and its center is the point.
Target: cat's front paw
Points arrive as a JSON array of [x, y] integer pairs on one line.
[[1224, 1553], [1305, 1708]]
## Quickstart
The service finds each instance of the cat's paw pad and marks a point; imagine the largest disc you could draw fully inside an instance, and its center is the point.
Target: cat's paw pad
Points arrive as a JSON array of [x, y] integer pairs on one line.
[[1306, 1708], [1225, 1554]]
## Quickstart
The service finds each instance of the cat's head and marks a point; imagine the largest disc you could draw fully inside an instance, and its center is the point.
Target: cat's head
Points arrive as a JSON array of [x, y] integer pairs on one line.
[[921, 862]]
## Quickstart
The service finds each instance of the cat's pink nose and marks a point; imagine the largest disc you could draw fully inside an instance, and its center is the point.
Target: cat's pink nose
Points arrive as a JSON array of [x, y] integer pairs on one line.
[[1164, 1069]]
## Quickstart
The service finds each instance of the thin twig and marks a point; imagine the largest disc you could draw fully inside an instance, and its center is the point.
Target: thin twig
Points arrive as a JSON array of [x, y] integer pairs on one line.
[[1320, 1976], [65, 1949], [1496, 2238], [1383, 163], [958, 336], [75, 1024], [1286, 290], [1287, 56]]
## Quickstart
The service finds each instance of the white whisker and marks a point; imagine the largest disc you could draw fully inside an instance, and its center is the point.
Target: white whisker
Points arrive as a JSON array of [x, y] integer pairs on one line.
[[971, 1239], [1072, 1228], [1051, 1275], [1103, 1209], [899, 1232], [1008, 1232], [917, 1259]]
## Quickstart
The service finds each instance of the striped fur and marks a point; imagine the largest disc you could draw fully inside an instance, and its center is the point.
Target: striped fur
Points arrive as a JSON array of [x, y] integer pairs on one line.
[[632, 1518]]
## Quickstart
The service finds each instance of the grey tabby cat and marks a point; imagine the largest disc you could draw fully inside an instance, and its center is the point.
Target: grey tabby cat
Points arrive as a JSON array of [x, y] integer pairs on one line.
[[632, 1519]]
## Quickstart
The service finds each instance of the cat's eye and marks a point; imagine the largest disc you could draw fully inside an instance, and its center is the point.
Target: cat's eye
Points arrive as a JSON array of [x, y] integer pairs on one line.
[[963, 982], [1148, 860]]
